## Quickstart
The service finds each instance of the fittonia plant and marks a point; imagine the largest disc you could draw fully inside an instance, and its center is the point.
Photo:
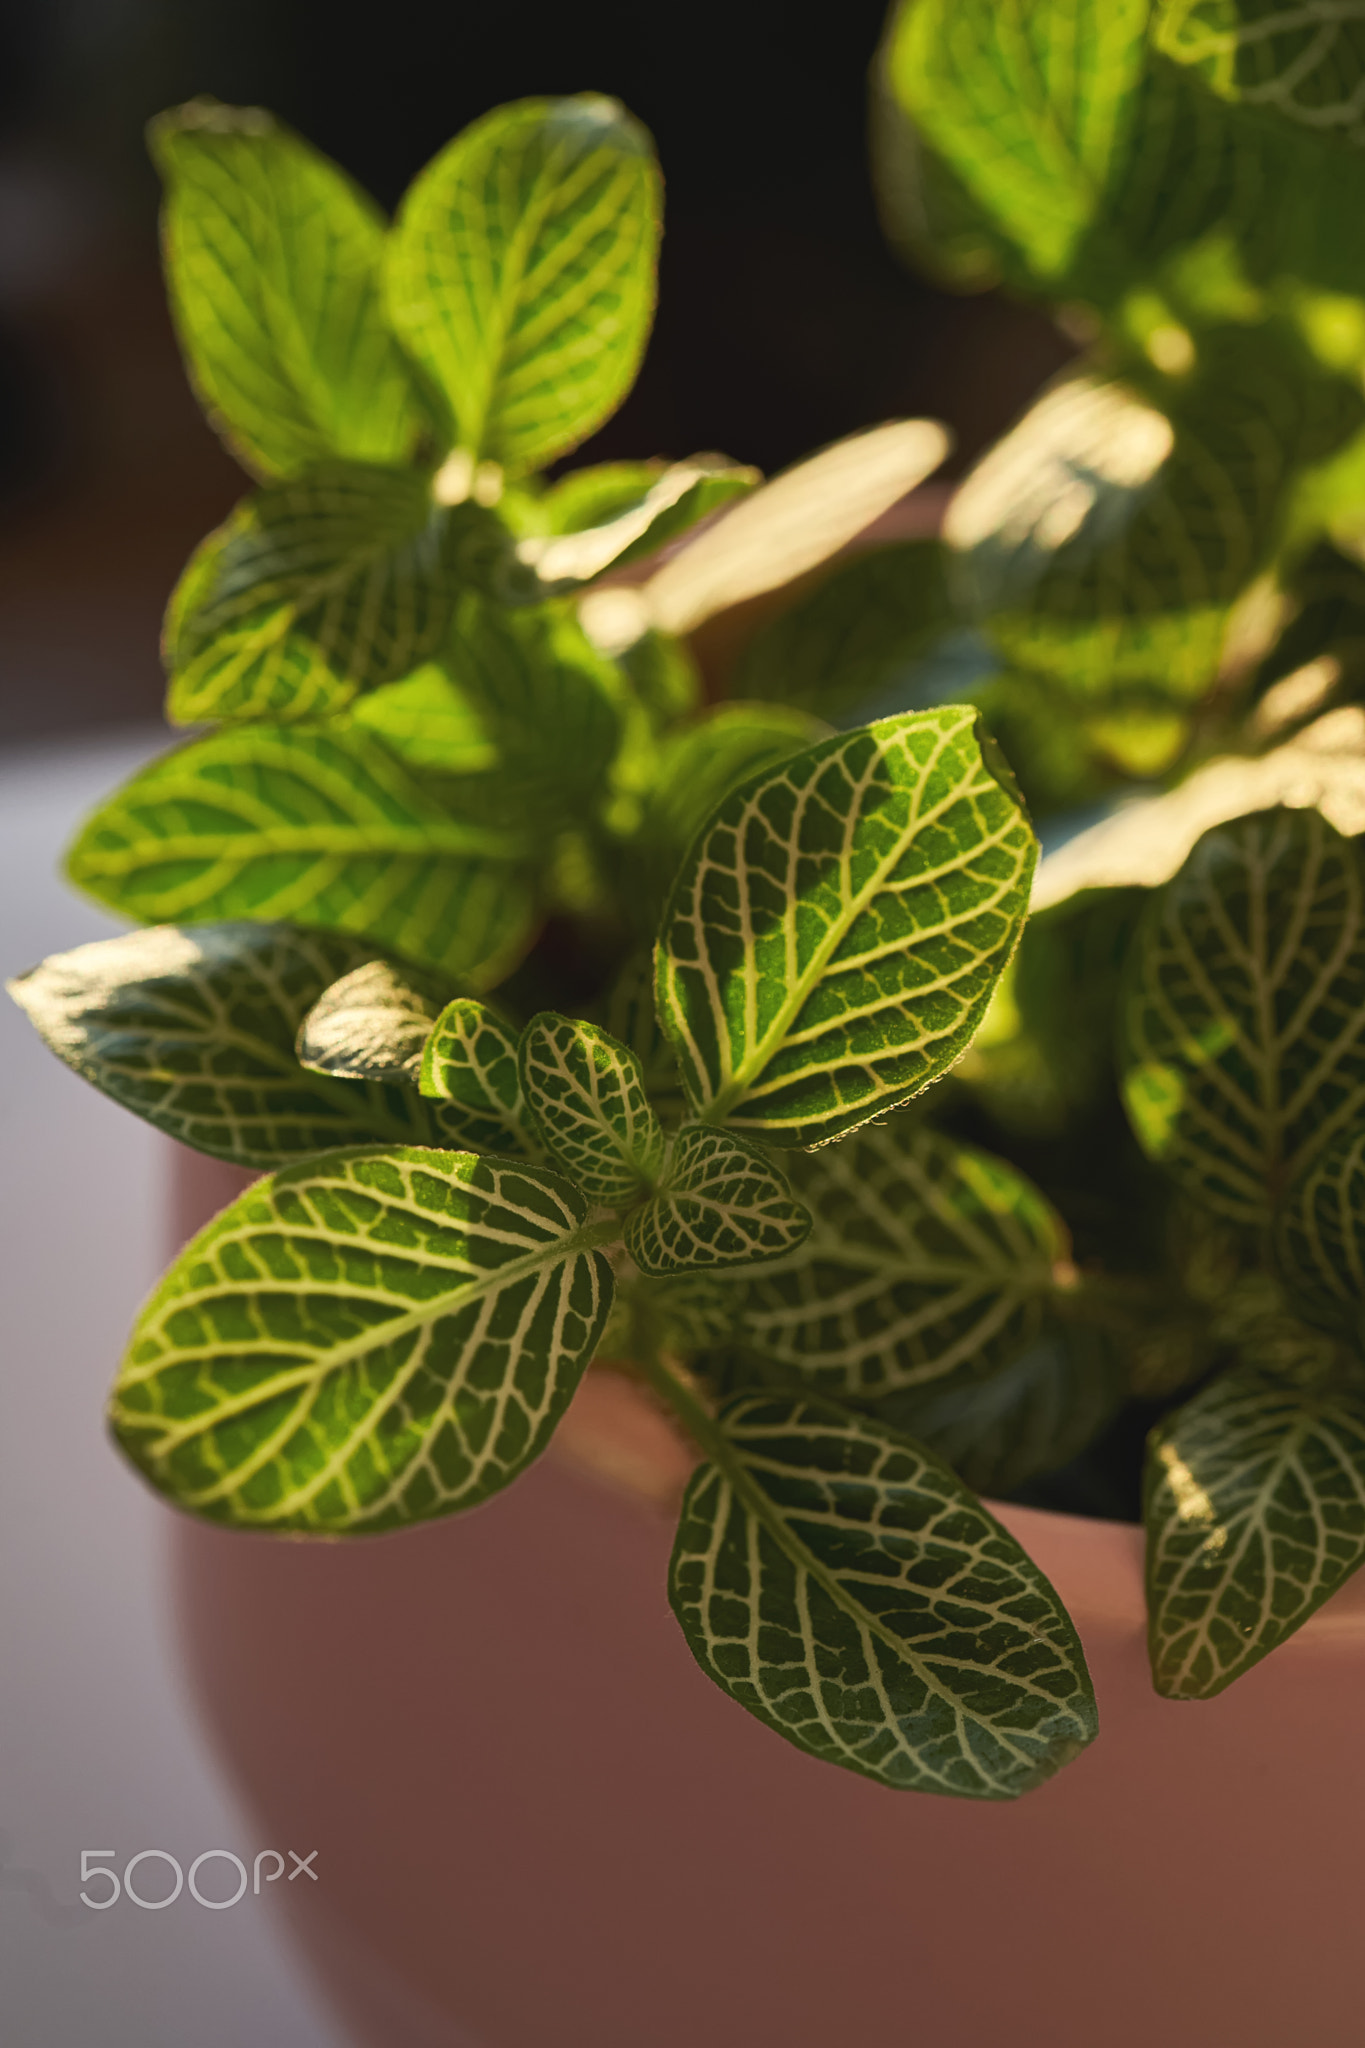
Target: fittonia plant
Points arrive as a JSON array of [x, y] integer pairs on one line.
[[576, 1021]]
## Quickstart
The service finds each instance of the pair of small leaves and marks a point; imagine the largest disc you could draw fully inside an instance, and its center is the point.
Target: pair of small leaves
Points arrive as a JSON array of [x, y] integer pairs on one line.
[[1243, 1025], [315, 827], [519, 278]]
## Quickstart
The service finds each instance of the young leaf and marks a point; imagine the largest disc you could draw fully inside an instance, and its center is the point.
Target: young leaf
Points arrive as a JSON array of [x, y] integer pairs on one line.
[[721, 1203], [470, 1063], [521, 273], [313, 589], [312, 827], [273, 264], [1320, 1233], [844, 1587], [833, 937], [1032, 1415], [1243, 1025], [587, 1095], [928, 1261], [364, 1341], [1255, 1513], [857, 634], [194, 1030], [372, 1024]]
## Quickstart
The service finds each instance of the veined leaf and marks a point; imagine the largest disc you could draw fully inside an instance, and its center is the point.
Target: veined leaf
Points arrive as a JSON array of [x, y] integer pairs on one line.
[[676, 497], [331, 583], [1320, 1232], [721, 1203], [833, 937], [1255, 1513], [860, 631], [1105, 543], [1303, 62], [844, 1587], [928, 1261], [587, 1095], [428, 722], [373, 1024], [1243, 1024], [312, 827], [273, 262], [194, 1030], [1032, 1415], [521, 274], [470, 1063], [364, 1341]]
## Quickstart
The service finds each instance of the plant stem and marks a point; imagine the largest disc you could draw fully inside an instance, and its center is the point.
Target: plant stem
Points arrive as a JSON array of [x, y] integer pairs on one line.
[[700, 1425]]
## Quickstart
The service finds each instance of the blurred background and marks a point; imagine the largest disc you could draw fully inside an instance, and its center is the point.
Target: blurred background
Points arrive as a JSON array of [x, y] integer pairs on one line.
[[784, 321]]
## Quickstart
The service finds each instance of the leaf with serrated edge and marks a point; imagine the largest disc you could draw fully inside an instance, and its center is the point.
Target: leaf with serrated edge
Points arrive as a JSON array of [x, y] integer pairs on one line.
[[1255, 1513], [313, 589], [1243, 1021], [928, 1262], [194, 1030], [1320, 1233], [323, 828], [721, 1203], [273, 262], [373, 1023], [845, 1587], [364, 1341], [470, 1061], [521, 273], [587, 1094], [834, 935]]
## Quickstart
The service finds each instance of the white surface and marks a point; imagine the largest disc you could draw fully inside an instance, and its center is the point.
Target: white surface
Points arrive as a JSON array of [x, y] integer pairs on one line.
[[98, 1745]]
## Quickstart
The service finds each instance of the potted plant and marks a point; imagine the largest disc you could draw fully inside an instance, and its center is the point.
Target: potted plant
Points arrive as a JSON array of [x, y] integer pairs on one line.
[[710, 1051]]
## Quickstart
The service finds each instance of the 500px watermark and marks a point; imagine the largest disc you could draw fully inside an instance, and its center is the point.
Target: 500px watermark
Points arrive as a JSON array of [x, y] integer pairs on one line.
[[99, 1863]]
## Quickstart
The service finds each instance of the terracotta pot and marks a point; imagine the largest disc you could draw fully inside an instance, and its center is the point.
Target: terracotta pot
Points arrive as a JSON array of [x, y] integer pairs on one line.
[[541, 1827]]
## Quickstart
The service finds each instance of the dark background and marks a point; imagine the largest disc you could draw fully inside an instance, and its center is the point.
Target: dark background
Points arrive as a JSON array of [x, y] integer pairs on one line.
[[783, 322]]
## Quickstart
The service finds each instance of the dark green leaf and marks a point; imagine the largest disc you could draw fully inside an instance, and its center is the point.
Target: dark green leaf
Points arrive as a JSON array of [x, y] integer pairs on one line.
[[363, 1342], [1320, 1234], [587, 1095], [470, 1063], [721, 1202]]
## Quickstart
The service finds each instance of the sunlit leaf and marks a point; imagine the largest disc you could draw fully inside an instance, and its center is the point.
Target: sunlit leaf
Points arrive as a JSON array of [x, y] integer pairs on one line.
[[427, 721], [675, 498], [833, 937], [721, 1203], [312, 827], [587, 1095], [365, 1341], [1255, 1513], [470, 1063], [1243, 1025], [373, 1023], [521, 274], [330, 583], [844, 1587], [273, 262], [194, 1030]]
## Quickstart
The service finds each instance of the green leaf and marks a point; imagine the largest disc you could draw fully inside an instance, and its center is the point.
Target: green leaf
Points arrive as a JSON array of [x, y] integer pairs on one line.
[[521, 273], [320, 828], [860, 632], [1255, 1513], [194, 1030], [1105, 543], [428, 723], [372, 1024], [1320, 1233], [677, 497], [844, 1587], [587, 1095], [928, 1261], [273, 262], [1243, 1026], [547, 699], [720, 1203], [470, 1062], [629, 1014], [1032, 1415], [314, 589], [365, 1341], [1027, 105], [833, 937], [1305, 63]]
